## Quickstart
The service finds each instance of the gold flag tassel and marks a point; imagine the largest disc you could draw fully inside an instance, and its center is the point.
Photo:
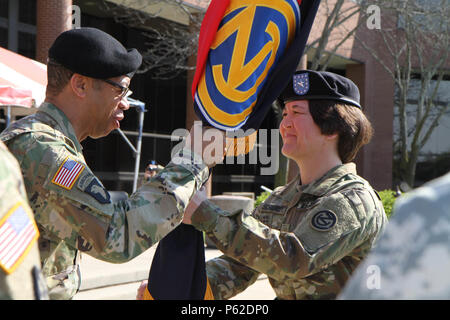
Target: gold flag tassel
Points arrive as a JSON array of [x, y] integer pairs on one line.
[[240, 145], [208, 293]]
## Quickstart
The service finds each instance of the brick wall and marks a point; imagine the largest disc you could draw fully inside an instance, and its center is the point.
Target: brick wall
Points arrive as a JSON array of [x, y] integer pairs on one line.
[[374, 161], [53, 17]]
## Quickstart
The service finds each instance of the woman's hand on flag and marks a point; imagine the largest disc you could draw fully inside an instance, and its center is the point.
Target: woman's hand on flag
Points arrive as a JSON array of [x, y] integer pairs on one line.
[[141, 290]]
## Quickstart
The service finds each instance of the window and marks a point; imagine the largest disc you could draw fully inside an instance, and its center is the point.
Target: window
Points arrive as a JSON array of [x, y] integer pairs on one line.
[[427, 16], [3, 37], [27, 45], [27, 11], [18, 26], [4, 8]]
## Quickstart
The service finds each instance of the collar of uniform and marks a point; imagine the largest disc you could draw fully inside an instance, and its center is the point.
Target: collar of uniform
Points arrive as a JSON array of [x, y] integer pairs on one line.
[[63, 122], [320, 186]]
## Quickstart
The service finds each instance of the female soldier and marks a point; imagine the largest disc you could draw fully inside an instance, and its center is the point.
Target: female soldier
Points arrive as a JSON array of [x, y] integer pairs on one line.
[[310, 234]]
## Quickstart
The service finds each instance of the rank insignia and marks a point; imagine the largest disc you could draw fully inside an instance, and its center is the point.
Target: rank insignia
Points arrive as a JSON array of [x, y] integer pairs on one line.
[[301, 83], [324, 220], [68, 173]]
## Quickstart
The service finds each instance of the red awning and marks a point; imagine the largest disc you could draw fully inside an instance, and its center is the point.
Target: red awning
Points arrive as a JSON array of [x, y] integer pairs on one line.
[[22, 80]]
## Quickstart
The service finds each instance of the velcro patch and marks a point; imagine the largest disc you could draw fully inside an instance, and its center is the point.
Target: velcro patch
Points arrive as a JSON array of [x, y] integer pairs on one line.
[[301, 83], [18, 232], [273, 207], [98, 192], [68, 173], [324, 220]]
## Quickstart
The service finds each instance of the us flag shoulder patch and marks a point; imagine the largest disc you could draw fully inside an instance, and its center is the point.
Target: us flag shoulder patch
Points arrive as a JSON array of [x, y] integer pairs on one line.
[[18, 232], [68, 173]]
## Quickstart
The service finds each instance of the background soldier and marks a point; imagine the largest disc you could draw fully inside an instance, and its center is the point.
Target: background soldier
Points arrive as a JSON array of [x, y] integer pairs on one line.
[[310, 234], [89, 73], [152, 170], [20, 266], [412, 258]]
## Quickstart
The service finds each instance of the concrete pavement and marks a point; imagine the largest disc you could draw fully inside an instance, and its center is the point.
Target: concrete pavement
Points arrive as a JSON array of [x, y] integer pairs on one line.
[[108, 281]]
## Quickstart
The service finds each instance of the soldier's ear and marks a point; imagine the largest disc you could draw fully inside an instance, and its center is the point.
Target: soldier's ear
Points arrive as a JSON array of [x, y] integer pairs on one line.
[[333, 136], [79, 85]]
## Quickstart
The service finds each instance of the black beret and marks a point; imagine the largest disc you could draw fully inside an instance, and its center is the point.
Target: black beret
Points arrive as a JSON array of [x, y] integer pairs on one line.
[[94, 53], [321, 85]]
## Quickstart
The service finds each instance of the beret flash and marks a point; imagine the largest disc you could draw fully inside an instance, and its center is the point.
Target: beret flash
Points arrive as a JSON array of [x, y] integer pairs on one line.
[[321, 85], [94, 53]]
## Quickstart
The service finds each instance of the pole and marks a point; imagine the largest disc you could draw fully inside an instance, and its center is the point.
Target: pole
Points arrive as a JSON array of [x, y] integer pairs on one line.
[[138, 149], [140, 108], [8, 116]]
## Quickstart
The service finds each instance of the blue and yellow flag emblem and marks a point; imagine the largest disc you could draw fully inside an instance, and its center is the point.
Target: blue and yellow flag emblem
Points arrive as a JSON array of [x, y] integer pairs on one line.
[[251, 38]]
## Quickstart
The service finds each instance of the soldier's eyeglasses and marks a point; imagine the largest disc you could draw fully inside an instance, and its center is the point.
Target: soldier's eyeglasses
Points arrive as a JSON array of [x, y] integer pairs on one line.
[[125, 92]]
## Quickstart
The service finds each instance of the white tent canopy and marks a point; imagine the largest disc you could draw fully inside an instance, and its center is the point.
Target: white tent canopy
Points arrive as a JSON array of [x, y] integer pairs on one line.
[[22, 84], [21, 73]]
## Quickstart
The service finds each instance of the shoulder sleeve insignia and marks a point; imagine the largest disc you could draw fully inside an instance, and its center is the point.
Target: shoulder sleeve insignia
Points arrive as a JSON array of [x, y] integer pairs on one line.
[[18, 232], [68, 173], [324, 220], [98, 192]]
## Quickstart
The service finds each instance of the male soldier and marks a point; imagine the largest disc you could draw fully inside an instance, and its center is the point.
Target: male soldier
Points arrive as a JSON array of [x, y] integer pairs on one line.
[[89, 74], [310, 234], [20, 266]]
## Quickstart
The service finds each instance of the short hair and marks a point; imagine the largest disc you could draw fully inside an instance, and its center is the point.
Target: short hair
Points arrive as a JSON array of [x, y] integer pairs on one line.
[[57, 78], [349, 122]]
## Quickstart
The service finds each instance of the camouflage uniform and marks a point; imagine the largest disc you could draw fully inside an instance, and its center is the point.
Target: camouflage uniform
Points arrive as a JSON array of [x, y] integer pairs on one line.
[[20, 278], [306, 239], [412, 258], [80, 215]]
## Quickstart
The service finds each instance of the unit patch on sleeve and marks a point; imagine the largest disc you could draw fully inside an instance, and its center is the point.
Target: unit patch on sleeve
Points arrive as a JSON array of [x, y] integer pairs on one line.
[[18, 232], [96, 190], [324, 220], [68, 173]]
